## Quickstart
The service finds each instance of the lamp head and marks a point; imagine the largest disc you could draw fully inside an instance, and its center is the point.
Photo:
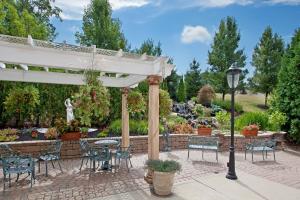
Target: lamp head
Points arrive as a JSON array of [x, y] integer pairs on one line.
[[233, 75]]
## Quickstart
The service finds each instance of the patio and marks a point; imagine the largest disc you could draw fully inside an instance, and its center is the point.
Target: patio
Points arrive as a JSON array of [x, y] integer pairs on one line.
[[73, 184]]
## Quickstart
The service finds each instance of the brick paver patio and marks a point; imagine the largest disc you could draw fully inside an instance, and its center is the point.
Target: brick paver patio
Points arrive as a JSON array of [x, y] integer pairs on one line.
[[73, 184]]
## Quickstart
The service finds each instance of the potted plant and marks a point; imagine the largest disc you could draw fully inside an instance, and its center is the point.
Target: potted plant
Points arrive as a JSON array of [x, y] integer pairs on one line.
[[34, 134], [69, 131], [163, 175], [84, 132], [51, 134], [204, 129], [251, 130]]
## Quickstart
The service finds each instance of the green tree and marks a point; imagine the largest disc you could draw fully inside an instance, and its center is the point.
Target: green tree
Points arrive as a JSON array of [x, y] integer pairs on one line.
[[225, 53], [193, 80], [286, 98], [99, 28], [267, 62], [171, 83], [181, 92]]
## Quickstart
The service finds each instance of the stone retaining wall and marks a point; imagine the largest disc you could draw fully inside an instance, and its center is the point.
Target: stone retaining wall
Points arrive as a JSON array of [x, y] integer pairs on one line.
[[71, 149]]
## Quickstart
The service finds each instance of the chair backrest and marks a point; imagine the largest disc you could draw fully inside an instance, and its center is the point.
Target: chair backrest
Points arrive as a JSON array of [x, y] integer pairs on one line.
[[55, 148], [84, 146], [202, 140], [5, 150], [17, 164]]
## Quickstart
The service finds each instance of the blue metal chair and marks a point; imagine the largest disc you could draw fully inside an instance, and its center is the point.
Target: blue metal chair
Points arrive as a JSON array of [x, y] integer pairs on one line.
[[262, 146], [123, 153], [85, 149], [100, 155], [17, 165], [51, 154]]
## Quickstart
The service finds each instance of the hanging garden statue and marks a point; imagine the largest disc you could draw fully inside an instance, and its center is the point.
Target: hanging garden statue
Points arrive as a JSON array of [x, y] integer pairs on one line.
[[69, 106]]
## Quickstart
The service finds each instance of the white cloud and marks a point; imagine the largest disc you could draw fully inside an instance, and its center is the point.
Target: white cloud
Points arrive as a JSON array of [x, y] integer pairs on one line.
[[288, 2], [73, 9], [191, 34]]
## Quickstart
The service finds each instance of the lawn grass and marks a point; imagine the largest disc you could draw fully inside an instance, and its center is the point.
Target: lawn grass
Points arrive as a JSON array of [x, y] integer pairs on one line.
[[250, 102]]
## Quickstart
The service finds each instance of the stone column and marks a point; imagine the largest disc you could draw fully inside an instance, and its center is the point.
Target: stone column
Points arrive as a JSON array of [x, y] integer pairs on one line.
[[153, 122], [125, 119]]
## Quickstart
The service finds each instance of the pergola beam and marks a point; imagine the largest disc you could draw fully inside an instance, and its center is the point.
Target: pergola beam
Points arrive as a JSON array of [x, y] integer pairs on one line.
[[13, 53], [65, 78]]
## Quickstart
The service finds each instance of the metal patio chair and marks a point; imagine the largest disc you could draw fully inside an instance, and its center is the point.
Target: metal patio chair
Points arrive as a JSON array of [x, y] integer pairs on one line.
[[262, 146], [123, 153], [17, 165], [100, 155], [51, 154], [85, 150]]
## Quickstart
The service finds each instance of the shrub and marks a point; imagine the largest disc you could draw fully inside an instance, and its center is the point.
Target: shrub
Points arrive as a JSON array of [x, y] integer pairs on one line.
[[22, 102], [223, 119], [103, 133], [226, 105], [276, 120], [295, 130], [258, 118], [215, 109], [199, 110], [51, 134], [136, 102], [194, 99], [183, 128], [163, 166], [7, 135], [116, 127], [205, 95], [165, 103]]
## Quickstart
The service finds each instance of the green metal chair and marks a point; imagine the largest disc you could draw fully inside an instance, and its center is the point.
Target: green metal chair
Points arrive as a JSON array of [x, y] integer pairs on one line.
[[85, 149], [51, 154], [100, 155], [123, 153], [17, 165]]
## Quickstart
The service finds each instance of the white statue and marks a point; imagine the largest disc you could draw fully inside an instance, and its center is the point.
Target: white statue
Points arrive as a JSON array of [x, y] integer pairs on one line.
[[70, 115]]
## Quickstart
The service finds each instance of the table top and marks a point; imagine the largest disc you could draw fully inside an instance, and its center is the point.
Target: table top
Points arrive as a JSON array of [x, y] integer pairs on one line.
[[107, 142]]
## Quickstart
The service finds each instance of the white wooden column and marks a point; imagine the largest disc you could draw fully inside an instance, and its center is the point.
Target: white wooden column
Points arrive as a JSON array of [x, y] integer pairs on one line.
[[125, 119], [153, 118]]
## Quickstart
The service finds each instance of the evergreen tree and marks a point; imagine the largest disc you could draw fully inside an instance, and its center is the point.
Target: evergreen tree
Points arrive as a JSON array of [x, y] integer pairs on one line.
[[267, 61], [181, 92], [286, 98], [171, 84], [193, 80], [225, 53], [100, 29]]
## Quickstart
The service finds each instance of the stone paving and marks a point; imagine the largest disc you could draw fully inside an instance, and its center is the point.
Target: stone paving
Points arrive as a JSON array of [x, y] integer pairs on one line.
[[73, 184]]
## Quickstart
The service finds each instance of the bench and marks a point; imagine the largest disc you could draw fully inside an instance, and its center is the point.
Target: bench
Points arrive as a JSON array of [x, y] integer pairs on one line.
[[263, 146], [203, 143]]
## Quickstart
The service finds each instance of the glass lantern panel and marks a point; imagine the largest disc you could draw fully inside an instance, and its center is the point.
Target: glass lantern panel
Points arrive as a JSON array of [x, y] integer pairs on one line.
[[235, 80]]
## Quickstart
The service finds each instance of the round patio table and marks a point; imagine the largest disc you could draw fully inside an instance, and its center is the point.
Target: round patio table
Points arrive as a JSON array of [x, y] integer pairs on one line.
[[106, 144]]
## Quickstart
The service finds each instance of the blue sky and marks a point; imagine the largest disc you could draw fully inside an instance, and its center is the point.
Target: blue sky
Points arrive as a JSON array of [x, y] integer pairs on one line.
[[186, 27]]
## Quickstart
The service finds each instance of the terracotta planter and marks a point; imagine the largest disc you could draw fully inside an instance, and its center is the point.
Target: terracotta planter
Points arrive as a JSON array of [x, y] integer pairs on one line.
[[71, 136], [249, 133], [163, 182], [204, 131]]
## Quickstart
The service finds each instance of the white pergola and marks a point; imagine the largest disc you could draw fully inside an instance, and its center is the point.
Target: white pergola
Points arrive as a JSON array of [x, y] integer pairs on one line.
[[128, 70]]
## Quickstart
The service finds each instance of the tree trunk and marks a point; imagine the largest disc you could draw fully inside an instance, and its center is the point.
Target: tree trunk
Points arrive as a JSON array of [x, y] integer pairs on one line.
[[223, 96], [266, 99]]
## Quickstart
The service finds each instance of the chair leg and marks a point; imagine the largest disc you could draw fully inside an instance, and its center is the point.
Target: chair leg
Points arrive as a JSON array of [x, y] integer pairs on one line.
[[18, 175], [46, 164], [9, 182], [263, 155], [217, 156], [130, 162], [4, 180], [31, 180], [52, 164], [81, 163], [274, 155], [188, 153], [252, 156], [245, 154], [266, 154], [202, 154], [59, 166], [39, 166], [127, 164]]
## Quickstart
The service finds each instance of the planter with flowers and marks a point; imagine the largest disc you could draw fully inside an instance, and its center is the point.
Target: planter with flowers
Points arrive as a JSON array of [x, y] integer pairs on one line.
[[204, 130], [250, 131], [69, 131]]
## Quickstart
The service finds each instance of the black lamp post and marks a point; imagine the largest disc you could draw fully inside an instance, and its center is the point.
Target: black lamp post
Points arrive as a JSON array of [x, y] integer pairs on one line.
[[233, 75]]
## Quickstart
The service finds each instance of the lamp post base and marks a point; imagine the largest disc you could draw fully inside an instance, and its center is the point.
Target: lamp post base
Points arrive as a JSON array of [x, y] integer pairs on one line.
[[231, 176]]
